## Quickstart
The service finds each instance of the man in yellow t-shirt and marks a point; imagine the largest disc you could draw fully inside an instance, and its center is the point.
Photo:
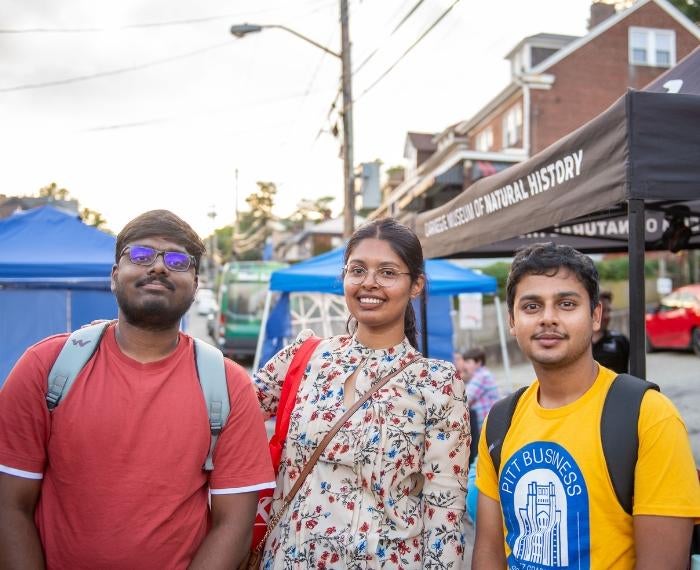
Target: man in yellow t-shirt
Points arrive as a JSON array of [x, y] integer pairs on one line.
[[552, 504]]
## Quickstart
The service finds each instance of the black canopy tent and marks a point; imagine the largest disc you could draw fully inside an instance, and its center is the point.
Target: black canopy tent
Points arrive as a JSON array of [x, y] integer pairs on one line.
[[636, 166]]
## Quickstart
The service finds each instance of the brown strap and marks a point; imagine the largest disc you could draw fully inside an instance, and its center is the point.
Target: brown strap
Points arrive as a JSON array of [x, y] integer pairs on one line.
[[324, 443]]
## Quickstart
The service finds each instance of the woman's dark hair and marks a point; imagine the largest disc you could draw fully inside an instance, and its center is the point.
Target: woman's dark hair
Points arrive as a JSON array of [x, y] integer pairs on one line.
[[404, 243], [164, 224], [548, 259]]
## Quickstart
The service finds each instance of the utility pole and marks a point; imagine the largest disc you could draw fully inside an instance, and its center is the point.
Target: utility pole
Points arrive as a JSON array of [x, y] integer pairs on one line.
[[348, 159], [241, 30], [212, 245]]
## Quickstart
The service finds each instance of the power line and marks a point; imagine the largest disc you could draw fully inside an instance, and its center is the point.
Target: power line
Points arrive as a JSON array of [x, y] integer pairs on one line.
[[403, 20], [171, 118], [167, 23], [118, 71], [410, 48], [401, 23]]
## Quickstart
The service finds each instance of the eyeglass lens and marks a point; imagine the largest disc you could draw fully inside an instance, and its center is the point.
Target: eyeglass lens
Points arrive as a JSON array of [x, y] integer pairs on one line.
[[383, 276], [173, 260]]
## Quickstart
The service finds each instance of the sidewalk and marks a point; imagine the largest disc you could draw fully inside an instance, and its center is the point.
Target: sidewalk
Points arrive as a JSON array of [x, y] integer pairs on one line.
[[520, 375]]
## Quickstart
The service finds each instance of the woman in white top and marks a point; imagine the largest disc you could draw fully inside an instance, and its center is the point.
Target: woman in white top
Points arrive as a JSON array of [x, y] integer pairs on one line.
[[389, 490]]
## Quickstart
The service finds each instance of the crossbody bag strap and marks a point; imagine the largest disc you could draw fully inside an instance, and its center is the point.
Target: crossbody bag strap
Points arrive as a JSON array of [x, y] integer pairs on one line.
[[324, 443]]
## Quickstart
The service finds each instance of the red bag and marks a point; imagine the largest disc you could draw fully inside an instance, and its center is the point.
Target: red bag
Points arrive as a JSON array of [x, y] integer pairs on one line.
[[290, 387]]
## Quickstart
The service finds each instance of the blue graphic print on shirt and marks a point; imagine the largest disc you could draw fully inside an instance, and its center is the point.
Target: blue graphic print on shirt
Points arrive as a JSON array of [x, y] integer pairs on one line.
[[545, 508]]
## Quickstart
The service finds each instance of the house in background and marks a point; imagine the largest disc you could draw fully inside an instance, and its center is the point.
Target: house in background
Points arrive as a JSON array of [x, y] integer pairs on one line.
[[558, 83]]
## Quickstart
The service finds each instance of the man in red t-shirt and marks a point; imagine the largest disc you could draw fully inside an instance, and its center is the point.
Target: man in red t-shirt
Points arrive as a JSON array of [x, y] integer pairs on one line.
[[113, 477]]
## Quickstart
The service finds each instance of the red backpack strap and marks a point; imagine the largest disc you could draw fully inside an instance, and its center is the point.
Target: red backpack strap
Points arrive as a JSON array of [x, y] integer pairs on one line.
[[290, 387]]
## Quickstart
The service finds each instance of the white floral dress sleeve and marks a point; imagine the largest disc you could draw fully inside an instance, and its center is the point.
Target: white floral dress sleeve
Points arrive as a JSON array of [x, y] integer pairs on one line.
[[269, 379], [445, 465]]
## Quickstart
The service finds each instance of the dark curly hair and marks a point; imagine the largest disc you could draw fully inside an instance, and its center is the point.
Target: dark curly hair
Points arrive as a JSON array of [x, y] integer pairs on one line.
[[165, 224], [404, 242], [548, 259]]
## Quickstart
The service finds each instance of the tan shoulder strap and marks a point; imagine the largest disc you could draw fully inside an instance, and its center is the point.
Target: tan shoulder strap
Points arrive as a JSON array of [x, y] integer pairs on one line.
[[324, 443]]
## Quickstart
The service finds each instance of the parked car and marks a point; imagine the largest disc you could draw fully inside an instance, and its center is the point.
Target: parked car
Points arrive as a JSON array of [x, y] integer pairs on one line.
[[675, 322], [205, 301]]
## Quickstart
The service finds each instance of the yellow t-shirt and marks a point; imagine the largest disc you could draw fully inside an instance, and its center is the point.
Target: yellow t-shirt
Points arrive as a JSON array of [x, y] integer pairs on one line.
[[558, 503]]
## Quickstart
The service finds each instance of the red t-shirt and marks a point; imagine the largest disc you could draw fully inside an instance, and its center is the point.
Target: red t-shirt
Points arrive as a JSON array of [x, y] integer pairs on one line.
[[121, 456]]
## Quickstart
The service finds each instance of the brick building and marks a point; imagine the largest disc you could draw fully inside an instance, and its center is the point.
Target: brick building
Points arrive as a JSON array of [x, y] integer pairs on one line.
[[558, 83]]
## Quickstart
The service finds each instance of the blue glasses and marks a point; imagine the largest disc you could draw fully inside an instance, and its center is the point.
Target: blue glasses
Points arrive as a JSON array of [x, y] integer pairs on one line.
[[144, 255]]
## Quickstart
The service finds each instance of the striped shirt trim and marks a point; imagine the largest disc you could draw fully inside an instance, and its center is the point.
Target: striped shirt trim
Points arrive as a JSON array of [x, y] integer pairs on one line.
[[20, 473], [235, 490]]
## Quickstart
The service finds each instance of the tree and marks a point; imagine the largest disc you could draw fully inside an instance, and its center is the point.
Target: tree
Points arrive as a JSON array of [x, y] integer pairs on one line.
[[309, 210], [94, 218], [88, 215], [54, 192], [253, 227], [691, 8]]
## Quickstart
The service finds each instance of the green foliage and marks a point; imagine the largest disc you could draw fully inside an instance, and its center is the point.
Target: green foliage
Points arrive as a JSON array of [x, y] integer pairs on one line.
[[253, 226], [309, 210], [691, 8], [88, 215], [499, 270], [53, 191], [613, 269], [224, 241]]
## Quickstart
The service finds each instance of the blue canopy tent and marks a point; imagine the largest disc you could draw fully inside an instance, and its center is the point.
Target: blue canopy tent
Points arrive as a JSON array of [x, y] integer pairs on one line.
[[54, 277], [321, 274]]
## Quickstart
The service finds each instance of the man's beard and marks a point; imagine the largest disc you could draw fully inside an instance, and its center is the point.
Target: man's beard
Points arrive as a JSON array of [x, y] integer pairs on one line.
[[153, 313]]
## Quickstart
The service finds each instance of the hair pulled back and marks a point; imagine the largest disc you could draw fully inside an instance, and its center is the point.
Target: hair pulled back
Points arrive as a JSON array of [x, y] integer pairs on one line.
[[404, 243]]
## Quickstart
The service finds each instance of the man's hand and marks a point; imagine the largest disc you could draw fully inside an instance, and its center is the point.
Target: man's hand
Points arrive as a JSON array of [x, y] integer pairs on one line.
[[20, 547], [489, 551], [662, 542], [228, 542]]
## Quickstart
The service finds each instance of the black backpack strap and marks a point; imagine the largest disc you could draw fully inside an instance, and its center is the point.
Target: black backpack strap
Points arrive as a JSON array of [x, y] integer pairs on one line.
[[618, 432], [498, 422]]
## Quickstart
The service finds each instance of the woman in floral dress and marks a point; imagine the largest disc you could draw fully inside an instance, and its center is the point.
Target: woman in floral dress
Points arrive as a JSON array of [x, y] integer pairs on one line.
[[389, 490]]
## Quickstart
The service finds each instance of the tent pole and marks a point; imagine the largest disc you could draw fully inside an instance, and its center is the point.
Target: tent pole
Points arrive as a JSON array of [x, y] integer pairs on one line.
[[637, 309], [424, 320], [502, 339], [69, 310], [261, 334]]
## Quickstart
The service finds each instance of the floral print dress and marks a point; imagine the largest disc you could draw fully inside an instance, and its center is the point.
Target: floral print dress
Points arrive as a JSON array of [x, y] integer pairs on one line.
[[389, 490]]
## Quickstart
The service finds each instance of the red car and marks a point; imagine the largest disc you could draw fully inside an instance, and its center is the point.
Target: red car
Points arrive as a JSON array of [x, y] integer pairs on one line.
[[675, 323]]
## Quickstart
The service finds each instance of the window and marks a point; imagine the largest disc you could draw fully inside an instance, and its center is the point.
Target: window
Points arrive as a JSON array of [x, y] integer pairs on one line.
[[648, 46], [513, 126], [484, 140]]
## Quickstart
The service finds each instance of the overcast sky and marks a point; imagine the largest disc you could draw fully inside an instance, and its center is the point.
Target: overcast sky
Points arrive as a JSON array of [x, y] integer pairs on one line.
[[173, 104]]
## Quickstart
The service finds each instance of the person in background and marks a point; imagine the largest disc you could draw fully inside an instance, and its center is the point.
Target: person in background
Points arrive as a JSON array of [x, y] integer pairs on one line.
[[552, 493], [610, 348], [389, 490], [482, 393], [113, 477]]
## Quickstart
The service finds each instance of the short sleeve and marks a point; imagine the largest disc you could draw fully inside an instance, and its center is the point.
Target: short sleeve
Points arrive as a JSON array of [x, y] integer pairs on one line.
[[666, 481], [241, 457], [269, 379], [25, 423]]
